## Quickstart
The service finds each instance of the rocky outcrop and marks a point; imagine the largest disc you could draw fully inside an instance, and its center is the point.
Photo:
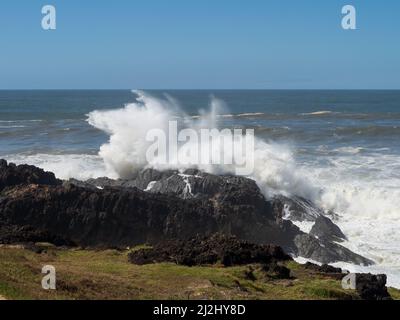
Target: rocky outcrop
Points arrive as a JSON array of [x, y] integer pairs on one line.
[[368, 286], [12, 175], [326, 230], [11, 234], [325, 268], [372, 287], [221, 248], [129, 216], [154, 207], [326, 252]]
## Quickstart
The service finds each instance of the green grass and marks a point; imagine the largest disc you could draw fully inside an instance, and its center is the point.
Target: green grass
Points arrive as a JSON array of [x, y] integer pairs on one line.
[[395, 293], [90, 274]]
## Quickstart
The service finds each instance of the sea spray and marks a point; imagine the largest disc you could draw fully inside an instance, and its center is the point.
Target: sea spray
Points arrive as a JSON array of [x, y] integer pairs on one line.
[[125, 152]]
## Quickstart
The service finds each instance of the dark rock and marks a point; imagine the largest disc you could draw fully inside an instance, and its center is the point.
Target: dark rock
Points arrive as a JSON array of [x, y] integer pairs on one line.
[[140, 179], [326, 252], [325, 268], [372, 287], [276, 271], [129, 216], [117, 213], [298, 208], [12, 175], [78, 183], [325, 229], [209, 250], [14, 234]]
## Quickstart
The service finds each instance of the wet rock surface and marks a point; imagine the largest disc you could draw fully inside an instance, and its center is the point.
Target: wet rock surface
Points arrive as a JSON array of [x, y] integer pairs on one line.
[[326, 252], [218, 248], [326, 230]]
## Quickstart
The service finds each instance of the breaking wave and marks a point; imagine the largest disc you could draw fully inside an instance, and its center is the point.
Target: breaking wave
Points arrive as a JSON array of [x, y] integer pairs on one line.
[[125, 152]]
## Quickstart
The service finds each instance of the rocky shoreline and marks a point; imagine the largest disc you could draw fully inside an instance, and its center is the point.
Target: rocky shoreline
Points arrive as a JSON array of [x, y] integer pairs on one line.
[[156, 208]]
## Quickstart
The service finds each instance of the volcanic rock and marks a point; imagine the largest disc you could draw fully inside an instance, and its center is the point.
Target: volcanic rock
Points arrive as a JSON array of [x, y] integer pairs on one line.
[[325, 251], [325, 229], [227, 250], [13, 175], [153, 207], [372, 287], [325, 268]]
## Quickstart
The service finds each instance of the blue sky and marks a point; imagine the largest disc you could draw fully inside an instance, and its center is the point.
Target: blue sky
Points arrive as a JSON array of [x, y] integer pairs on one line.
[[200, 44]]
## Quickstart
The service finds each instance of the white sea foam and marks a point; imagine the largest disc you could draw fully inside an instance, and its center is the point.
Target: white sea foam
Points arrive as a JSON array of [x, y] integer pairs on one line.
[[304, 226], [317, 113], [12, 126], [349, 150], [365, 191], [231, 115], [65, 166]]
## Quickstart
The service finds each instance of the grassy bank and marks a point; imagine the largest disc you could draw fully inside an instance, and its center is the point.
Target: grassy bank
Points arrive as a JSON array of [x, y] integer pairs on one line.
[[88, 274]]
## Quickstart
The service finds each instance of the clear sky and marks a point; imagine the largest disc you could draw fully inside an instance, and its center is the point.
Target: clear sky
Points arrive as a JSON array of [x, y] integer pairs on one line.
[[200, 44]]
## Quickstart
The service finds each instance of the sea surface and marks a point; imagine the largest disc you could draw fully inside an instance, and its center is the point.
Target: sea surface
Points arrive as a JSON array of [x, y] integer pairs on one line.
[[341, 149]]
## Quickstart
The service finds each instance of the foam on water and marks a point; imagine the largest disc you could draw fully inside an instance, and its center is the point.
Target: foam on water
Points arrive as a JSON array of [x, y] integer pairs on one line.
[[317, 113], [365, 191], [65, 166]]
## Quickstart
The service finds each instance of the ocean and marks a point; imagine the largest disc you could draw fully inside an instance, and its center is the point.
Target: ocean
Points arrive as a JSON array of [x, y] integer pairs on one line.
[[341, 149]]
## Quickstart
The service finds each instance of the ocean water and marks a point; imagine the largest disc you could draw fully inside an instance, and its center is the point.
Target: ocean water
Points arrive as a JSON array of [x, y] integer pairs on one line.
[[341, 149]]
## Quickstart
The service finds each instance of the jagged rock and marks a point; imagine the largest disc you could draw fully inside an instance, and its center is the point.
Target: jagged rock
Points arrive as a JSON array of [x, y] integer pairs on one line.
[[195, 184], [117, 213], [372, 287], [325, 229], [298, 208], [326, 252], [125, 217], [209, 250], [140, 179], [13, 175]]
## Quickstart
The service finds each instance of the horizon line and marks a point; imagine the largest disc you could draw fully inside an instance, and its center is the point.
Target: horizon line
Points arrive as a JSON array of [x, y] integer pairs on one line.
[[202, 89]]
